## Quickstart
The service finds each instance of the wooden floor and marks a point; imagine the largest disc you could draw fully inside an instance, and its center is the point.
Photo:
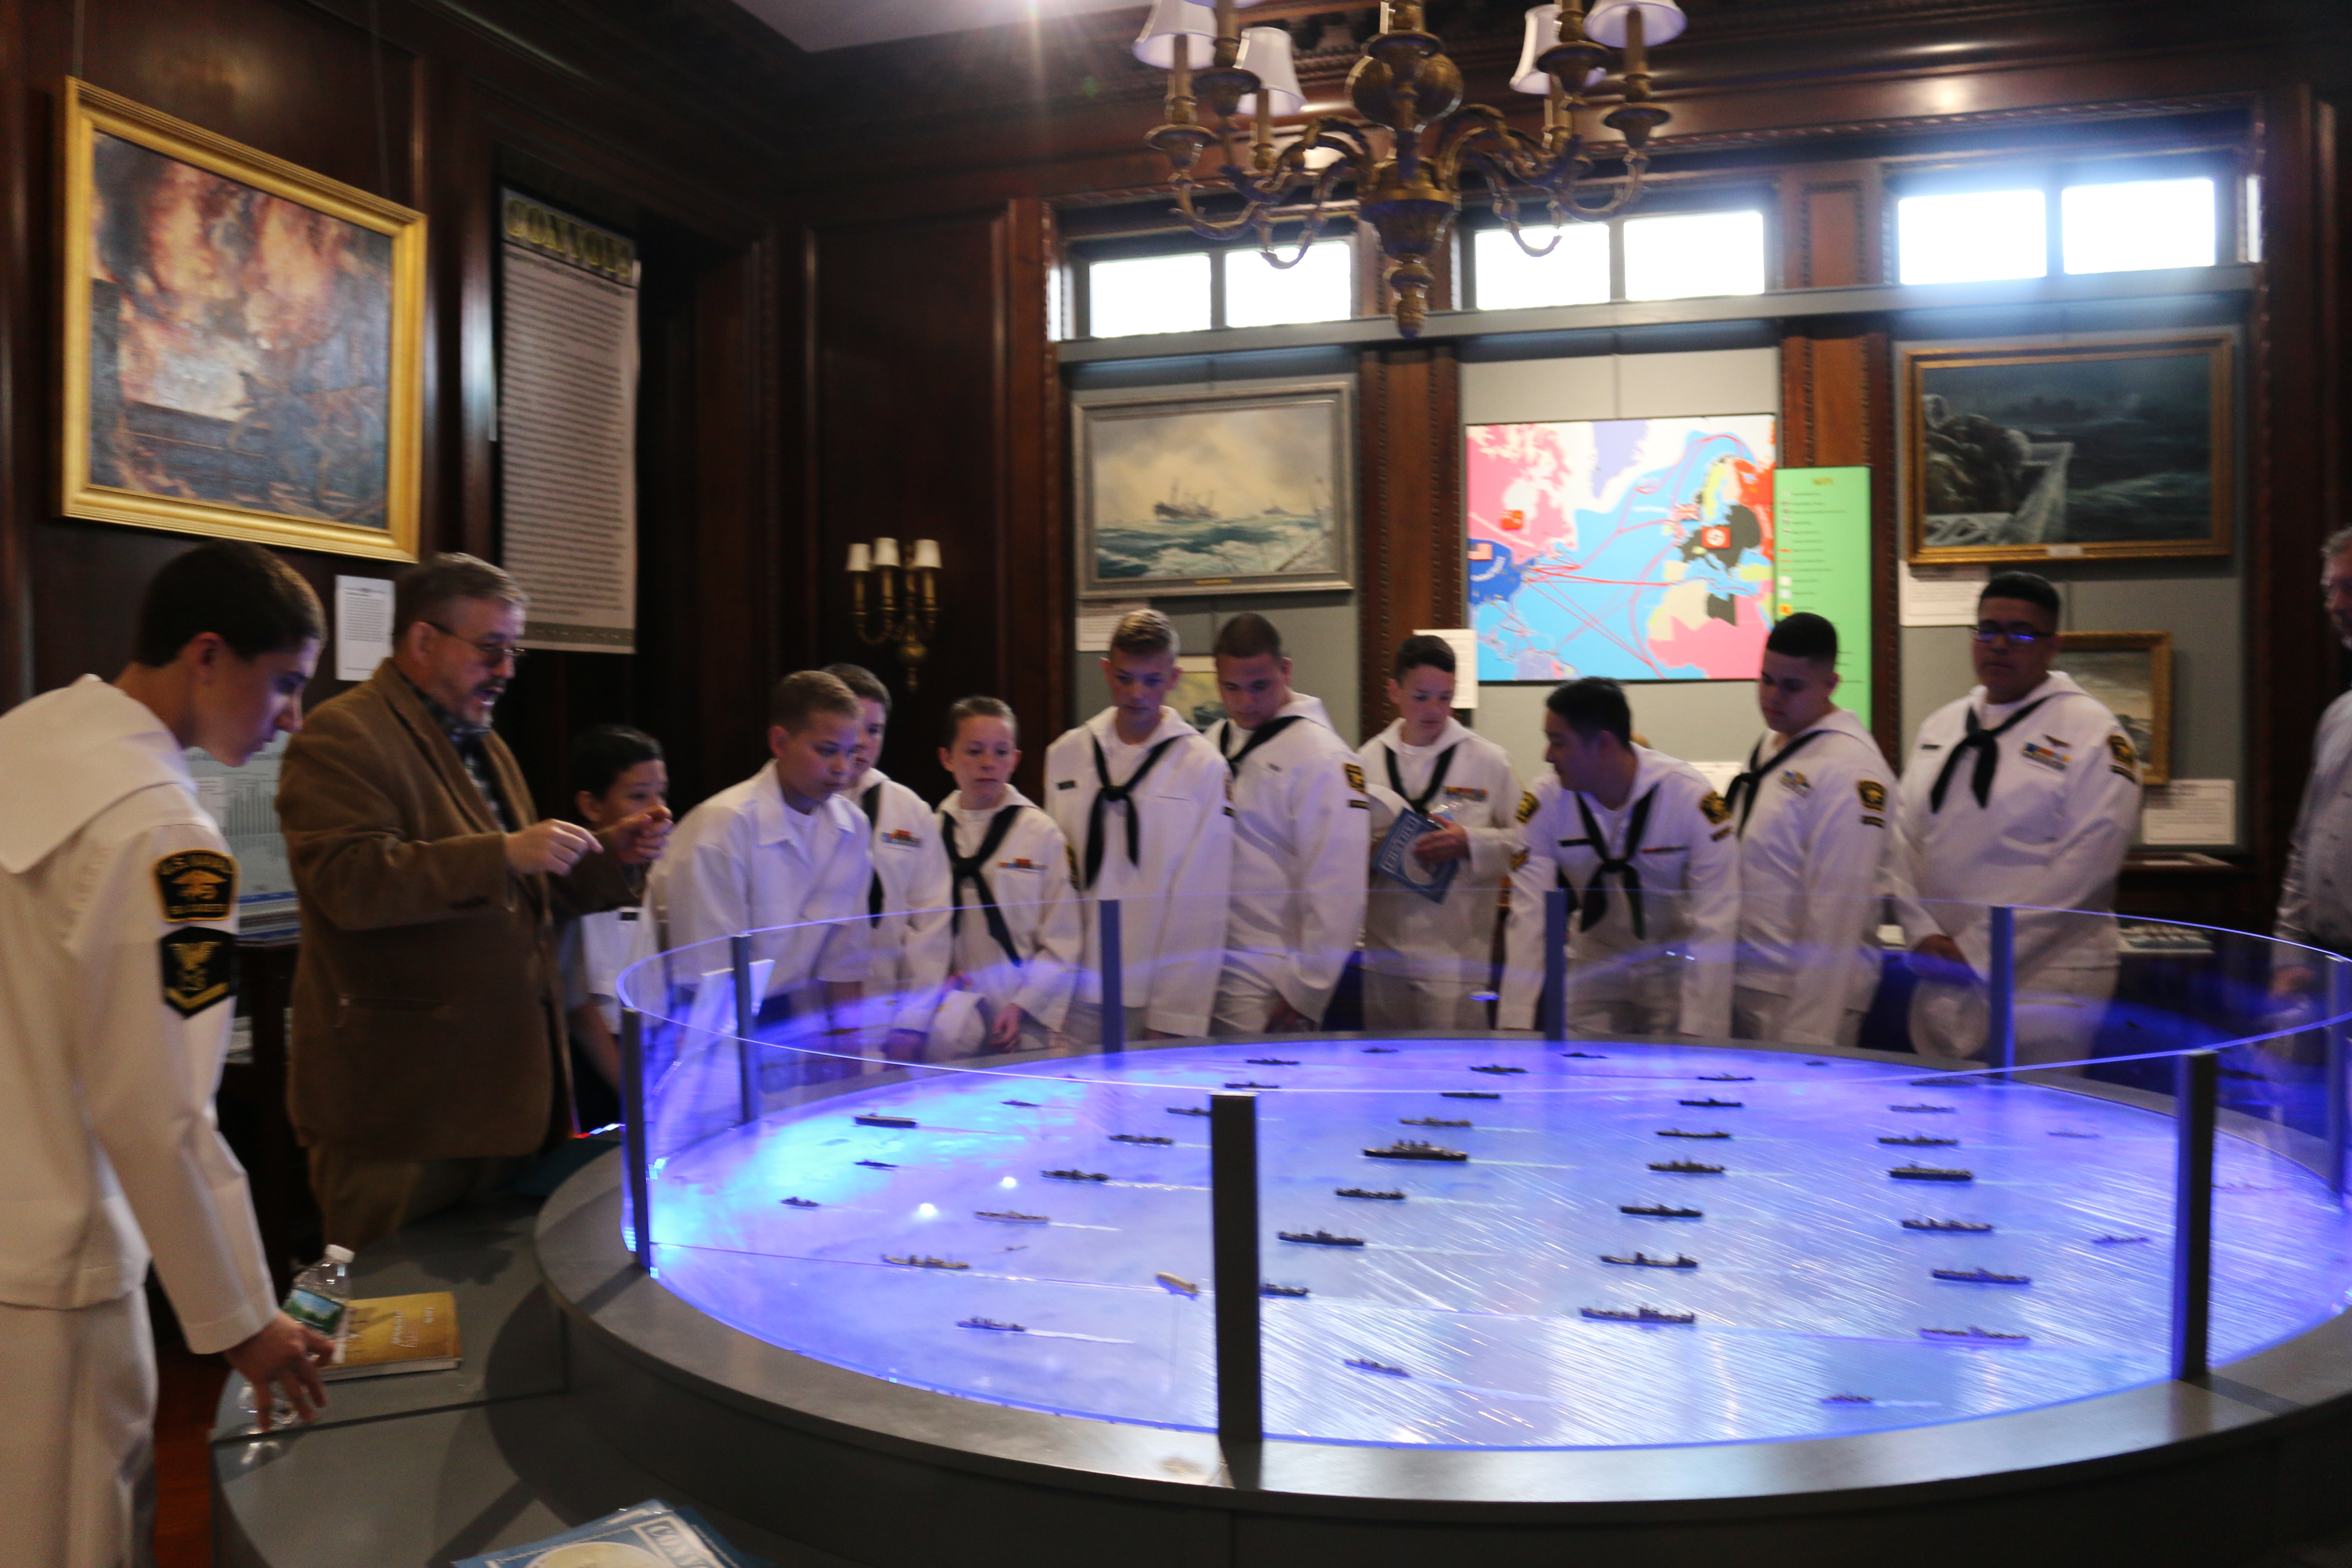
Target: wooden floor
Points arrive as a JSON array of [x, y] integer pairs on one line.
[[188, 1387]]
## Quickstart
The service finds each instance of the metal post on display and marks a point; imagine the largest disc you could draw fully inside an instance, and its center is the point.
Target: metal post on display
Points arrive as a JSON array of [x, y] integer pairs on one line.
[[2340, 1112], [2195, 1091], [2001, 984], [1114, 978], [747, 1015], [1553, 1003], [1233, 1258], [635, 1127]]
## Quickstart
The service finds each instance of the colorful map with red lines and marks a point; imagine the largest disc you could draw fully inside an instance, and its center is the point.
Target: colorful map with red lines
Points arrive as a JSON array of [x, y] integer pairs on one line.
[[1640, 549]]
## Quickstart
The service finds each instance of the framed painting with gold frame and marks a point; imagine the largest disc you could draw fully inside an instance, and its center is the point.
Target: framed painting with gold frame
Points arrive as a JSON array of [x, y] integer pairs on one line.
[[242, 347], [2131, 672], [2069, 451]]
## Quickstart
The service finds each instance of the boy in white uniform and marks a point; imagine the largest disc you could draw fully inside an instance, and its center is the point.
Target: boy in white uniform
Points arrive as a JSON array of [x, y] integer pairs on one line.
[[616, 773], [906, 899], [1811, 813], [118, 933], [780, 850], [1424, 959], [1140, 796], [1302, 833], [1645, 850], [2025, 792], [1017, 942]]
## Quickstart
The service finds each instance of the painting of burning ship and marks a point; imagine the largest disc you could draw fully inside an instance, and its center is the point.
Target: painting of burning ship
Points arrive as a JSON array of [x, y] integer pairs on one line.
[[1216, 493], [242, 340]]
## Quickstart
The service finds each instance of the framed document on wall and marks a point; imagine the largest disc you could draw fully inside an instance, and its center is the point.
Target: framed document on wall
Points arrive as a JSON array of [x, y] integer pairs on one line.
[[242, 340]]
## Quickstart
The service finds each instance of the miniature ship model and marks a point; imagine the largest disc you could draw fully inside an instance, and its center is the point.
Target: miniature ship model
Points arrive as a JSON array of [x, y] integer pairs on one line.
[[1929, 1174], [1177, 1283], [1921, 1141], [1660, 1210], [1678, 1132], [1079, 1175], [1847, 1399], [1407, 1149], [1011, 1216], [1380, 1050], [1726, 1077], [1585, 1056], [1138, 1138], [991, 1323], [878, 1165], [1643, 1260], [1496, 1067], [1253, 1086], [1319, 1238], [1469, 1094], [918, 1260], [1270, 1062], [1024, 1104], [1270, 1289], [1431, 1121], [1964, 1224], [1368, 1192], [2070, 1132], [877, 1118], [1687, 1167], [2115, 1240], [1639, 1315], [1188, 1110], [1711, 1103], [799, 1202], [1974, 1335], [1982, 1276], [1924, 1109], [1363, 1363]]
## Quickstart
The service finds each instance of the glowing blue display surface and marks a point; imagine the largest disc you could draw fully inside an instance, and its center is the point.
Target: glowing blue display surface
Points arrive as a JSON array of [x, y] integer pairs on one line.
[[1809, 1294]]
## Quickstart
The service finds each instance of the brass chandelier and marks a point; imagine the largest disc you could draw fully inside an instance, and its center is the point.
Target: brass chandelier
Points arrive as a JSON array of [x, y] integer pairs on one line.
[[1406, 85]]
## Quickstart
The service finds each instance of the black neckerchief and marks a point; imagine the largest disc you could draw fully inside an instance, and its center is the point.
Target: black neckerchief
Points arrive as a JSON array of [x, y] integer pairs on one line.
[[1436, 777], [1595, 897], [1741, 796], [1986, 745], [1109, 794], [870, 802], [962, 868], [1258, 737]]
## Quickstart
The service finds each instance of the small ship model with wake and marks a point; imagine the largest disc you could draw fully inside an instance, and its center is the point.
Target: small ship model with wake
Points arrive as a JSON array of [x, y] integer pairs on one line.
[[1409, 1149], [1380, 1050], [1930, 1174], [1643, 1260], [1847, 1399], [1075, 1175], [2115, 1240], [1498, 1067], [877, 1119], [1678, 1132], [1660, 1210], [1973, 1335], [1638, 1315], [1468, 1094], [799, 1202], [1726, 1077], [1921, 1141], [991, 1323], [1319, 1238], [1685, 1167], [1586, 1056], [1980, 1277], [1270, 1062], [1431, 1121], [1924, 1109], [2070, 1132], [1368, 1192], [1177, 1283], [1188, 1110], [1969, 1226], [1711, 1103], [1140, 1138], [1011, 1216], [1365, 1363], [918, 1260], [1024, 1104], [1253, 1086], [878, 1165], [1268, 1287]]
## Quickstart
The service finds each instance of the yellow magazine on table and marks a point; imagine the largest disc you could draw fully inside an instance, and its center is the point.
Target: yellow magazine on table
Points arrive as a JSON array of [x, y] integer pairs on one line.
[[397, 1334]]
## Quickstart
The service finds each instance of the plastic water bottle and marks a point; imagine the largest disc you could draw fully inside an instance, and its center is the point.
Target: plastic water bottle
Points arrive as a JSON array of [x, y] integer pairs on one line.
[[320, 1296]]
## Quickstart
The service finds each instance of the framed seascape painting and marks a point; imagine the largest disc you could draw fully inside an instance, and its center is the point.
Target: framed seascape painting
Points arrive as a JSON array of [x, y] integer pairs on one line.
[[1217, 492], [2131, 672], [242, 340], [2068, 451]]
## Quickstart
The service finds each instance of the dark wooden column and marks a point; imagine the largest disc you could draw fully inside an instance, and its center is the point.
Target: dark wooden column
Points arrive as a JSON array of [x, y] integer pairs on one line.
[[1409, 568]]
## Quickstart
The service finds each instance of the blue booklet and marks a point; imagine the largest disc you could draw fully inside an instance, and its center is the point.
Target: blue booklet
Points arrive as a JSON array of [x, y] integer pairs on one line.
[[650, 1534], [1394, 858]]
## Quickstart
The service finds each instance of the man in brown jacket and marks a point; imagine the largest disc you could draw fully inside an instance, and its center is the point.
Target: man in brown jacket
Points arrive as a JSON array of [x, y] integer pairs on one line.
[[428, 1052]]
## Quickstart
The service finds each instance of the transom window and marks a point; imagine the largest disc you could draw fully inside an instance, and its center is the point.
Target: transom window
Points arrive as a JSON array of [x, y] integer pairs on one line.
[[1663, 255], [2051, 222], [1191, 290]]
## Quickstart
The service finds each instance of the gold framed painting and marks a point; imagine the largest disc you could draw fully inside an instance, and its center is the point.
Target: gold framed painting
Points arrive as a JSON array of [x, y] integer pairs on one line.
[[2069, 451], [242, 341], [2131, 672]]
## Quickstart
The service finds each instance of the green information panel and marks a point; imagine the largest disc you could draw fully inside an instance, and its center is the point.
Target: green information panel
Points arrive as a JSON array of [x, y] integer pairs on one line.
[[1821, 518]]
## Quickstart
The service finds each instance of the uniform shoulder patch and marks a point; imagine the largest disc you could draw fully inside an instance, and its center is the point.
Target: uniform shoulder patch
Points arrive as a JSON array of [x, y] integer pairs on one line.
[[1356, 777], [2123, 760], [1872, 793], [196, 885], [1714, 808], [199, 969], [1519, 858], [1526, 805]]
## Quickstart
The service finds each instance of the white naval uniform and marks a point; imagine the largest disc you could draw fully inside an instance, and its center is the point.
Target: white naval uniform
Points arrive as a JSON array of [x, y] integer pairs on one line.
[[115, 1007], [1814, 836], [596, 948], [1028, 876], [1302, 838], [1172, 892], [2051, 834], [745, 861], [1424, 960], [907, 952], [1675, 977], [2315, 904]]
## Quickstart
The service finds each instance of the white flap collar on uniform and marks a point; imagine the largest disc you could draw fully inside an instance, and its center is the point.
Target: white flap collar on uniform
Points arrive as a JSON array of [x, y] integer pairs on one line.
[[1837, 720], [1170, 724], [1302, 706], [2058, 683], [772, 821], [954, 805], [68, 754], [1393, 736]]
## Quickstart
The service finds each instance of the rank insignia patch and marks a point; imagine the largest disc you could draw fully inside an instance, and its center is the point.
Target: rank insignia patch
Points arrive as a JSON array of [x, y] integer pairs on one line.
[[1356, 777], [1714, 808], [1872, 793], [1464, 792], [1526, 805], [2125, 761], [196, 885], [199, 969], [1796, 783]]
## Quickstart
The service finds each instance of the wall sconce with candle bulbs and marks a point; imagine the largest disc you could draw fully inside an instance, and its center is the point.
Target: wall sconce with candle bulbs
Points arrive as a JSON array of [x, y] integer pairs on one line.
[[1410, 176], [920, 619]]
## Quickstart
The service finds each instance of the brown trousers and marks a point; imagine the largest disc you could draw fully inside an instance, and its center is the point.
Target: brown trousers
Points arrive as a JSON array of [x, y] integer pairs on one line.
[[364, 1201]]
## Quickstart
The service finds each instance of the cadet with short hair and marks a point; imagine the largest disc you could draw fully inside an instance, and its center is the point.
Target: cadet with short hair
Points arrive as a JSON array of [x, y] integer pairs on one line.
[[1811, 810], [1618, 825], [118, 933], [616, 773]]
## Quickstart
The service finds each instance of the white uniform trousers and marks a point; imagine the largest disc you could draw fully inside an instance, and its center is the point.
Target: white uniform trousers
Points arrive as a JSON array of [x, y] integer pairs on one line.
[[77, 1435], [1757, 1015], [1245, 1003], [2058, 1017], [1427, 1001], [1617, 993]]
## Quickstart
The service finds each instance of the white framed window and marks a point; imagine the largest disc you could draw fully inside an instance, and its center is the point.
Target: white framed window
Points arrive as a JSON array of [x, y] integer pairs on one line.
[[1320, 288], [1972, 236], [1140, 294], [2133, 226], [1685, 255], [1575, 272]]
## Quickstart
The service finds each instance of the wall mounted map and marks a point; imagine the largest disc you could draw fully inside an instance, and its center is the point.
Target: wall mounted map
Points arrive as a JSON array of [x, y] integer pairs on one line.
[[1639, 549]]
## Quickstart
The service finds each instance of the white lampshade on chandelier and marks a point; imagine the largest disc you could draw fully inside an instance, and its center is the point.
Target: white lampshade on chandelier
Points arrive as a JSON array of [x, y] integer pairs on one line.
[[1416, 147]]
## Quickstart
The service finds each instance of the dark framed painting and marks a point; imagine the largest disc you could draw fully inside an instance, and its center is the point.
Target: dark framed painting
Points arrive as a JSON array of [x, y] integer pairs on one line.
[[1217, 492], [2069, 451], [242, 340], [2131, 672]]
